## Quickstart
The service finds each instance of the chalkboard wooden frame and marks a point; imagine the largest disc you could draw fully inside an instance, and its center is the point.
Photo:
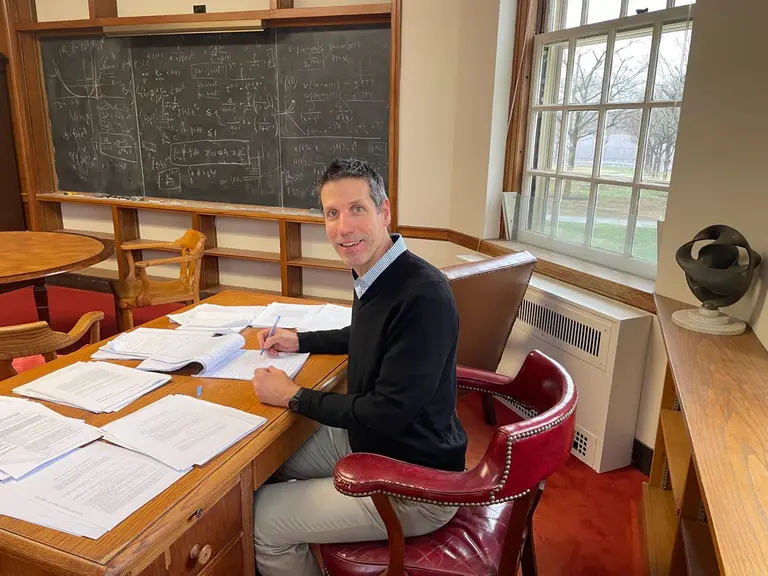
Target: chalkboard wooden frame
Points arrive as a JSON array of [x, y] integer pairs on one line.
[[21, 33]]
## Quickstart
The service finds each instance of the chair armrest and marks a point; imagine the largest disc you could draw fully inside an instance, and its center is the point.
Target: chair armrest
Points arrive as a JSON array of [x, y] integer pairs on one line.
[[159, 261], [137, 245], [362, 474], [89, 320], [484, 381]]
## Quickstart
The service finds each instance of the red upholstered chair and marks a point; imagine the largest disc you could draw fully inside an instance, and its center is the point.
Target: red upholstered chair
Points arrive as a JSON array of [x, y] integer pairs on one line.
[[492, 532]]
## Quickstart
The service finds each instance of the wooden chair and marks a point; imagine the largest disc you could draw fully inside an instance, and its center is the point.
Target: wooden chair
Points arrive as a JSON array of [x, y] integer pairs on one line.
[[135, 293], [38, 338]]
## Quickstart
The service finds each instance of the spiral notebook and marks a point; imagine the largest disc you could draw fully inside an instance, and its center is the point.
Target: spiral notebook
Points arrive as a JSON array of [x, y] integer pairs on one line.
[[241, 365]]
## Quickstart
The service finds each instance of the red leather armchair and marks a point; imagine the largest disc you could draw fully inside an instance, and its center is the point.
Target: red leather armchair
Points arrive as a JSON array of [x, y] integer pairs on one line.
[[491, 533]]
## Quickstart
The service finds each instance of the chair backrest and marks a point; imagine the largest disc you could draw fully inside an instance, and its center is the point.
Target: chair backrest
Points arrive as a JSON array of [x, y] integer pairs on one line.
[[488, 294], [523, 454], [193, 244]]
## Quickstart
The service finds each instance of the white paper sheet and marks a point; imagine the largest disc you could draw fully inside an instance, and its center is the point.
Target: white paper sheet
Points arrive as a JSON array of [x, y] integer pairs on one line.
[[31, 435], [99, 485], [291, 315], [242, 364], [144, 342], [330, 317], [93, 386], [181, 431]]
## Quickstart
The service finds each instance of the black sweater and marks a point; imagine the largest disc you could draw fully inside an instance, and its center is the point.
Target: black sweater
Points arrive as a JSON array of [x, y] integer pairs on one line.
[[401, 372]]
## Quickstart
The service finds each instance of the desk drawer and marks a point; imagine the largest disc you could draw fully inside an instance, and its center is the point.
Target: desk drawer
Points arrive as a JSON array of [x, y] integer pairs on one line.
[[230, 564], [216, 527]]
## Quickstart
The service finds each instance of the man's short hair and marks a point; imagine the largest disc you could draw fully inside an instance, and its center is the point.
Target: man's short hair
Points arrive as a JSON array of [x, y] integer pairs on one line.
[[342, 168]]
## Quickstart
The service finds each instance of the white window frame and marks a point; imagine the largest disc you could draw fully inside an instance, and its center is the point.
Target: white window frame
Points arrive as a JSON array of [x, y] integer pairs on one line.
[[657, 19]]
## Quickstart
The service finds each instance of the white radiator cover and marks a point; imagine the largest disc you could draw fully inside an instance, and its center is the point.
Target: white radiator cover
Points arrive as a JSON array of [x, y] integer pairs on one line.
[[603, 345]]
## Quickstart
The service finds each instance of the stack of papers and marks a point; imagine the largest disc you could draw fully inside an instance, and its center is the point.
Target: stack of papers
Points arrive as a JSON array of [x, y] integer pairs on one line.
[[207, 350], [241, 365], [222, 319], [32, 435], [329, 317], [181, 431], [143, 343], [304, 317], [93, 386], [89, 491]]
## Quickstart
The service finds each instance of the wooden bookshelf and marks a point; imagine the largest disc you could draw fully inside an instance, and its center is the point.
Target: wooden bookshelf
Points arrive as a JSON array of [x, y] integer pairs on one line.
[[323, 263], [659, 522], [709, 459], [241, 254], [678, 451]]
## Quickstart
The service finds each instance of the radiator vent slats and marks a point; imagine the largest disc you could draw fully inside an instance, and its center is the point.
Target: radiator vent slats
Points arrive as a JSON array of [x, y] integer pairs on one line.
[[561, 327]]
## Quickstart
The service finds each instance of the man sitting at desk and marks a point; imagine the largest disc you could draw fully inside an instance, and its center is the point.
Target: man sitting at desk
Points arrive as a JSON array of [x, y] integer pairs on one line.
[[401, 373]]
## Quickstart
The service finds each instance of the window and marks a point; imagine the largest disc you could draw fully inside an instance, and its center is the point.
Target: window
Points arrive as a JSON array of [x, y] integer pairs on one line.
[[605, 102]]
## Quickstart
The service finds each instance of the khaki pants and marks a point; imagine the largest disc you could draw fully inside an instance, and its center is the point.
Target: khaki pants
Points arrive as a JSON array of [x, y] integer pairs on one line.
[[306, 508]]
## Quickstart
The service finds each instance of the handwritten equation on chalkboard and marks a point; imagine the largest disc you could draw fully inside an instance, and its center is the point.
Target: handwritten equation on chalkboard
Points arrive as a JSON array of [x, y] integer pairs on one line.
[[247, 118]]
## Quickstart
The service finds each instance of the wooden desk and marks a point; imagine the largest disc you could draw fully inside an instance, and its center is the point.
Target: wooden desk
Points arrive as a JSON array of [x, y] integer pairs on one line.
[[27, 258], [210, 505], [706, 505]]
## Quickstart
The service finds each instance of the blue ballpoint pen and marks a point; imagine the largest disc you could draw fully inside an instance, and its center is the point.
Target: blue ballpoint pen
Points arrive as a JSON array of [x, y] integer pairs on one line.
[[271, 333]]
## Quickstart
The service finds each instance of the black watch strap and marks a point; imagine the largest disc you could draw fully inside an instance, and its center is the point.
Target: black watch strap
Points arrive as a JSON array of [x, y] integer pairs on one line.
[[293, 403]]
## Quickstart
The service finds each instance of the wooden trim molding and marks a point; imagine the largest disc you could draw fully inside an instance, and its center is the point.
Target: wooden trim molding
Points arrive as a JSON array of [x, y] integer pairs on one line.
[[394, 106]]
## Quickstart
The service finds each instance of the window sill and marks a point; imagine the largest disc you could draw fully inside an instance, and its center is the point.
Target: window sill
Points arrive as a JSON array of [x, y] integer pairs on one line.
[[614, 284]]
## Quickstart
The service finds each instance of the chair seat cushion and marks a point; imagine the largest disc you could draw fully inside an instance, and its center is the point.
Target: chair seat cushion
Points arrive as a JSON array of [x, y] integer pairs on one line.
[[470, 544]]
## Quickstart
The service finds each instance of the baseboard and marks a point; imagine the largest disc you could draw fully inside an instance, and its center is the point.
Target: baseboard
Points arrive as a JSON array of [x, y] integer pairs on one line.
[[642, 456]]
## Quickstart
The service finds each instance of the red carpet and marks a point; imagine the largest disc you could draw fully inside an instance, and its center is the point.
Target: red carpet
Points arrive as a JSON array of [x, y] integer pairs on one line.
[[587, 524]]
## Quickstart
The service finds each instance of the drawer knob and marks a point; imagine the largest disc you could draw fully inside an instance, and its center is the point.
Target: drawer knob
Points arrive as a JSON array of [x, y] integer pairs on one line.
[[198, 513], [202, 555]]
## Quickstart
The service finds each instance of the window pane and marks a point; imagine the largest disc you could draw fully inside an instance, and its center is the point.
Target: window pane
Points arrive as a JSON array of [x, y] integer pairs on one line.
[[546, 140], [629, 66], [588, 70], [645, 6], [684, 2], [538, 207], [601, 10], [673, 60], [609, 231], [580, 141], [650, 209], [572, 218], [573, 14], [660, 144], [554, 60], [622, 133]]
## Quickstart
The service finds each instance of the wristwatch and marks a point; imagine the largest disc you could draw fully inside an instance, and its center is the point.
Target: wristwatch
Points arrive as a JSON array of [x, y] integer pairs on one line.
[[293, 403]]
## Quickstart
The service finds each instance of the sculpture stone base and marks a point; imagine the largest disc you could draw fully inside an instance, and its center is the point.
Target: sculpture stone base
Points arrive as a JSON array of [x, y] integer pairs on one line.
[[708, 322]]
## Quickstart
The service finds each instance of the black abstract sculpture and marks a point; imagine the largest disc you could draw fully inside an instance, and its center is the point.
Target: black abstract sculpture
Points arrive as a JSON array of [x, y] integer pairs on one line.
[[716, 278]]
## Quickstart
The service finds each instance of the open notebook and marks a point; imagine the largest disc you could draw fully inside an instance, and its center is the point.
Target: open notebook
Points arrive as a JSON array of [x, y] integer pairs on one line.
[[206, 350]]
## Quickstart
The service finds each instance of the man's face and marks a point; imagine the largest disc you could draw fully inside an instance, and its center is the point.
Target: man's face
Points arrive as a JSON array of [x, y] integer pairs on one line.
[[356, 229]]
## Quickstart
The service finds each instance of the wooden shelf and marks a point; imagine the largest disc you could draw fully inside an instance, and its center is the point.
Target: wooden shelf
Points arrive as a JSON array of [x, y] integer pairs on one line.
[[104, 236], [678, 451], [323, 263], [279, 17], [659, 521], [240, 254], [700, 556], [190, 206]]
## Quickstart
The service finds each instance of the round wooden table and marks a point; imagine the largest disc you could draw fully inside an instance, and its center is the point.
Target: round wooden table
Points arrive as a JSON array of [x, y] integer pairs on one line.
[[28, 258]]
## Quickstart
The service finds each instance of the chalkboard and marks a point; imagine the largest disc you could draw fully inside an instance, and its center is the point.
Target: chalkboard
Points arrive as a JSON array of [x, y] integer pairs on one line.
[[247, 118]]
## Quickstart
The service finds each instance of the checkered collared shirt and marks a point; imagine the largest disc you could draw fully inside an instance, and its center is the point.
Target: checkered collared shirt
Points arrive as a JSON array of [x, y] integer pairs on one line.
[[362, 283]]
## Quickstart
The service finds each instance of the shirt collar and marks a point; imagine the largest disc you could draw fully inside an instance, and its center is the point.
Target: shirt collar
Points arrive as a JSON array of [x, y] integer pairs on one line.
[[364, 282]]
